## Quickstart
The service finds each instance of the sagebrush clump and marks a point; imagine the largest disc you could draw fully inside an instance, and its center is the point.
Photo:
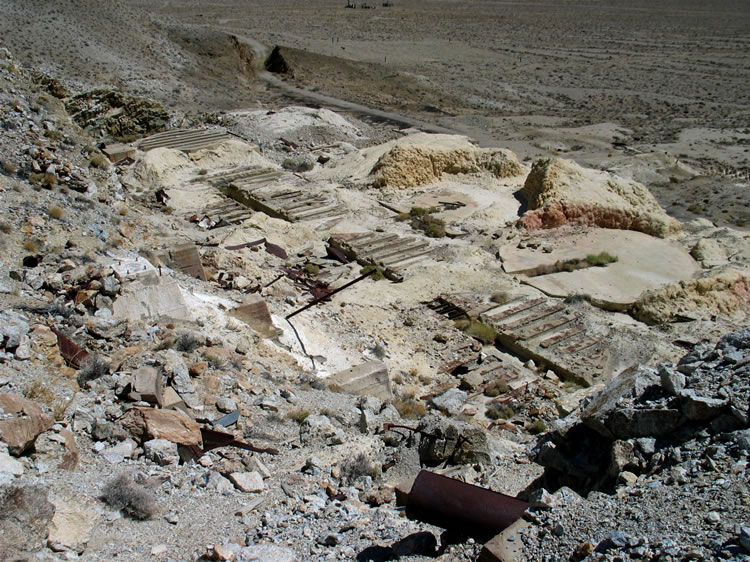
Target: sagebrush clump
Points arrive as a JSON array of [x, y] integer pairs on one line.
[[92, 368], [125, 495]]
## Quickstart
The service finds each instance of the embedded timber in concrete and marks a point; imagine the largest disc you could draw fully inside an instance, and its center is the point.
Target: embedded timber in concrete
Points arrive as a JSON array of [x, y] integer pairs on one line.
[[227, 211], [292, 200], [391, 252], [186, 140], [538, 328]]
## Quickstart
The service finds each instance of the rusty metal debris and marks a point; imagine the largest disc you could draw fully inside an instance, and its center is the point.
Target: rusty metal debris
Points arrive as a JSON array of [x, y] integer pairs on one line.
[[213, 439], [272, 249], [456, 505], [69, 349], [328, 295]]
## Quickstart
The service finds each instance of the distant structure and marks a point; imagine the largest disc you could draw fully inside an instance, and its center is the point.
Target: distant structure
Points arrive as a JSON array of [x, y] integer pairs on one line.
[[387, 4]]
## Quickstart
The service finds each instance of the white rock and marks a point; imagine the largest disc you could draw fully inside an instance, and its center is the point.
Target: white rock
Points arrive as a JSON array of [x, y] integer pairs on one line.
[[9, 465], [248, 481]]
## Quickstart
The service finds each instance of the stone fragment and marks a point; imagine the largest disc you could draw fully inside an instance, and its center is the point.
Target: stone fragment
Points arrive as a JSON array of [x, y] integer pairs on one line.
[[151, 297], [247, 481], [162, 452], [745, 537], [460, 442], [367, 379], [147, 423], [450, 401], [267, 553], [216, 481], [149, 385], [9, 465], [71, 526], [700, 408], [225, 405], [21, 430], [120, 452], [25, 514], [506, 546]]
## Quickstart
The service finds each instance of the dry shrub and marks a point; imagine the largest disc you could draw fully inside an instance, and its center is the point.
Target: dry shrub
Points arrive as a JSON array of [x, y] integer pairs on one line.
[[497, 411], [56, 212], [410, 408], [92, 368], [30, 246], [298, 414], [356, 467], [125, 495]]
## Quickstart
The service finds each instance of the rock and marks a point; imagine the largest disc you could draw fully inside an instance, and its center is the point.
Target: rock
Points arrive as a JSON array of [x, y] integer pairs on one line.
[[162, 452], [149, 385], [267, 553], [225, 405], [450, 402], [216, 481], [21, 430], [159, 549], [745, 537], [700, 408], [472, 381], [148, 423], [254, 463], [224, 553], [627, 478], [422, 543], [417, 160], [622, 457], [248, 481], [25, 514], [71, 526], [120, 452], [9, 465], [319, 428], [561, 192], [672, 380], [708, 250], [445, 439], [542, 499], [179, 377], [13, 326], [506, 546]]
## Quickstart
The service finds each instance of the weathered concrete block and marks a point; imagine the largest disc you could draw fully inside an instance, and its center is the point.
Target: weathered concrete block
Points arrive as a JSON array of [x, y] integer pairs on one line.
[[369, 379], [151, 297], [505, 547], [254, 312]]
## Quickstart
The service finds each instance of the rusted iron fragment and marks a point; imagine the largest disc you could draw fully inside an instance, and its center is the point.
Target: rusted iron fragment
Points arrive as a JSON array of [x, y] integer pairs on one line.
[[69, 349]]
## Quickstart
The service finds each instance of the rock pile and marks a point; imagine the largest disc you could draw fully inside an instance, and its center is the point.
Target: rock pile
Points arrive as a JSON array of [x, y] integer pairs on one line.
[[673, 444]]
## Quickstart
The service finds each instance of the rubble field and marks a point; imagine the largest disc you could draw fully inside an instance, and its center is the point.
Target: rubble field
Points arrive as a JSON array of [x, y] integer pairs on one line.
[[281, 332]]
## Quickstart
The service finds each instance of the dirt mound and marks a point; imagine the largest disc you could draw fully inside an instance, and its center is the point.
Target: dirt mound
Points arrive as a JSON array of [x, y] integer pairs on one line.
[[410, 165], [726, 293], [560, 192]]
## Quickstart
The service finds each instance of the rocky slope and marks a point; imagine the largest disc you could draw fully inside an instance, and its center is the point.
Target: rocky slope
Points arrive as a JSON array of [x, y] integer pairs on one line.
[[159, 400]]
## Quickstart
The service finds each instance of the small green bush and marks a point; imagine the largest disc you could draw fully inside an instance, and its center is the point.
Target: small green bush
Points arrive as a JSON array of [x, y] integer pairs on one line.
[[601, 259], [377, 276], [477, 330], [537, 427], [98, 160]]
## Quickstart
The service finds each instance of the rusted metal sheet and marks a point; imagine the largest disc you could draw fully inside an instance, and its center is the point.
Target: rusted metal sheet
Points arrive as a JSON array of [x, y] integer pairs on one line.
[[275, 250], [69, 349], [246, 245], [455, 505]]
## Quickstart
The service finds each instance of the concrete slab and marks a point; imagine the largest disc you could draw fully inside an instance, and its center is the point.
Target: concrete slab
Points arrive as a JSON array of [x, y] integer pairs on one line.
[[151, 297], [644, 263], [370, 379], [186, 140]]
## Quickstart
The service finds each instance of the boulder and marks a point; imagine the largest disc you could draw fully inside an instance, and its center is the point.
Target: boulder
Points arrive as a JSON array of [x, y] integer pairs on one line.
[[28, 421], [161, 451], [148, 423], [455, 441], [25, 514], [71, 526]]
